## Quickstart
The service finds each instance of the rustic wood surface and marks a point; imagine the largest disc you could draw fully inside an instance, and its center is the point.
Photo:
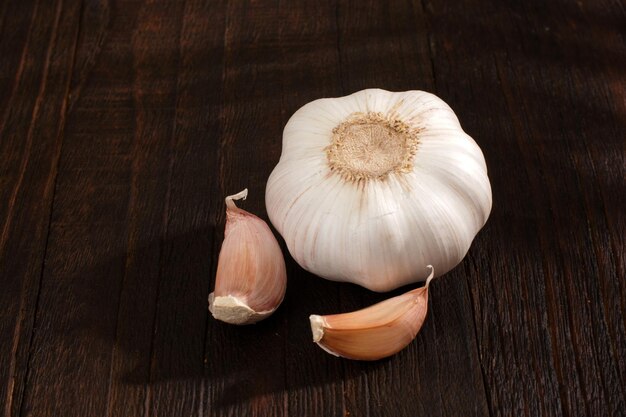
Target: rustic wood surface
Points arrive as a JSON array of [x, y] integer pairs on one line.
[[124, 123]]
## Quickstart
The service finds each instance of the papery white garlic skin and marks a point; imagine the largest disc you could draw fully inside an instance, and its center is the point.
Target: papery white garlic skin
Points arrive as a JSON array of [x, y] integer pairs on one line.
[[251, 277], [411, 190]]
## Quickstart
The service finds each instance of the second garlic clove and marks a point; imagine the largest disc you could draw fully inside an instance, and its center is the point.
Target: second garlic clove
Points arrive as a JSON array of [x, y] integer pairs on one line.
[[251, 276], [374, 332]]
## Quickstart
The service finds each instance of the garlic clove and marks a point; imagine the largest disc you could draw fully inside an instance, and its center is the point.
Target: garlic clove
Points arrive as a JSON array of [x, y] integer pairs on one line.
[[374, 332], [251, 277]]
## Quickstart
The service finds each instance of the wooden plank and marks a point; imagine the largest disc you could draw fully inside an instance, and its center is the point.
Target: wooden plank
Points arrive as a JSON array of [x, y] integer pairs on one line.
[[597, 91], [16, 35], [37, 47], [95, 28]]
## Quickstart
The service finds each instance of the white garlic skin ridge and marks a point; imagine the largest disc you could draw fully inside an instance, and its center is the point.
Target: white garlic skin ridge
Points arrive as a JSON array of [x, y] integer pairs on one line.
[[379, 233]]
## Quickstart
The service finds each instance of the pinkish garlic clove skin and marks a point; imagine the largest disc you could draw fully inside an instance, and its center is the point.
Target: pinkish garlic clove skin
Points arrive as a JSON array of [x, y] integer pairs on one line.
[[374, 332], [251, 276]]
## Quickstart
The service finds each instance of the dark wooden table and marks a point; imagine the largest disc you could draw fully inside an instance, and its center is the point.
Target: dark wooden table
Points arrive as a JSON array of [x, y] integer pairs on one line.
[[123, 124]]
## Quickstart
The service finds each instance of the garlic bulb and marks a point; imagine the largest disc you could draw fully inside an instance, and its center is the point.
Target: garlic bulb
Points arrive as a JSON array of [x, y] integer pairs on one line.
[[374, 332], [373, 187], [251, 276]]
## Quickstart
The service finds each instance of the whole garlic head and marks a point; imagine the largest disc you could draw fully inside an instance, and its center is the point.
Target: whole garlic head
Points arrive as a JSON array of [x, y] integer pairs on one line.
[[373, 187]]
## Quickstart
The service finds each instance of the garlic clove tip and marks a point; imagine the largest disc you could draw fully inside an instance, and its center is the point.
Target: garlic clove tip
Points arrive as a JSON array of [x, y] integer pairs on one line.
[[241, 195], [430, 276]]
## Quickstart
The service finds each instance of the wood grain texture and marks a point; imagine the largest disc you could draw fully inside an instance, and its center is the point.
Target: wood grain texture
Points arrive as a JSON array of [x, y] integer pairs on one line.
[[39, 41], [124, 123]]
